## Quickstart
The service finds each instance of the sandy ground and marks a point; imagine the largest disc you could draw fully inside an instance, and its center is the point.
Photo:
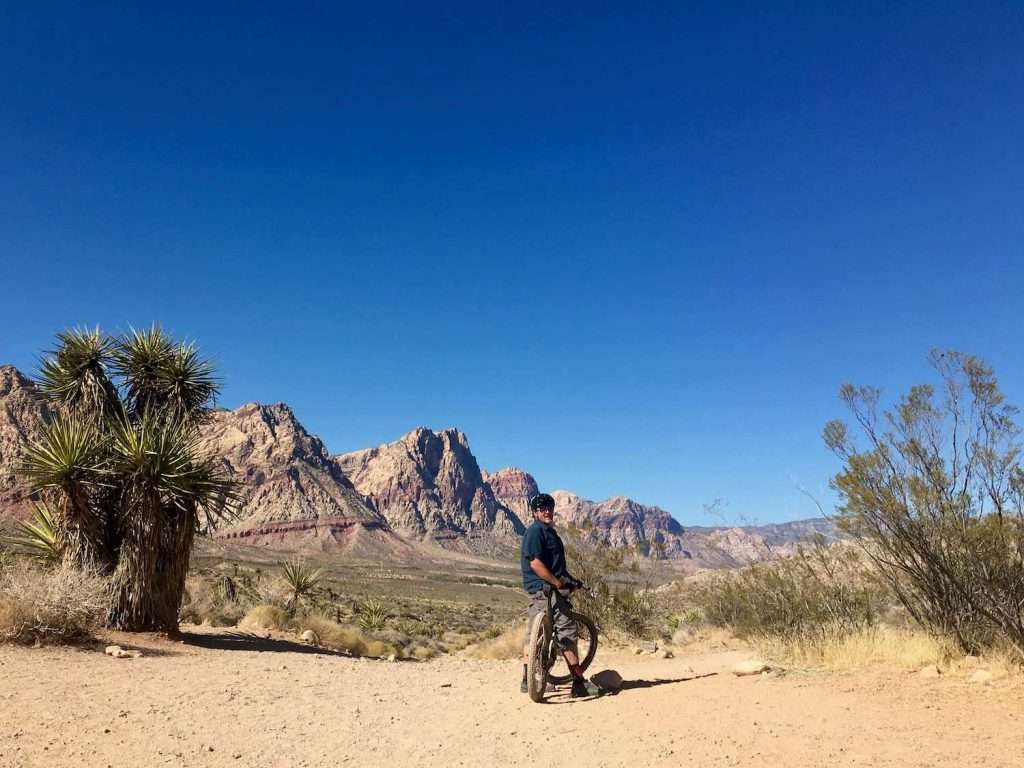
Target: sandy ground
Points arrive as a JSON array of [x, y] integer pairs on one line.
[[223, 700]]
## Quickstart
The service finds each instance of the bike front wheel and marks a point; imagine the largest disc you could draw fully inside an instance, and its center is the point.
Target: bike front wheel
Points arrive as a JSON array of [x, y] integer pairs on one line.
[[538, 641], [586, 647]]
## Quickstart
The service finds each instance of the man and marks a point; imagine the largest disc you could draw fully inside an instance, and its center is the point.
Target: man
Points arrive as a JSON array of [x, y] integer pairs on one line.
[[543, 561]]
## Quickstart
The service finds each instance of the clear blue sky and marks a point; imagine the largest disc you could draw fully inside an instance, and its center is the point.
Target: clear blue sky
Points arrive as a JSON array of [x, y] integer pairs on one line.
[[634, 249]]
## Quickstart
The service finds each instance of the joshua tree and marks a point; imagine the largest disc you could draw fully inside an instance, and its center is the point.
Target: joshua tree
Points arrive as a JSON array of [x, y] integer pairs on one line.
[[121, 466]]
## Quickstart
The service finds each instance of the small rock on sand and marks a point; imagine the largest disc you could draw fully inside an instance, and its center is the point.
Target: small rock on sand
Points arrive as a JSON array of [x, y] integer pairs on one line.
[[118, 652], [309, 636]]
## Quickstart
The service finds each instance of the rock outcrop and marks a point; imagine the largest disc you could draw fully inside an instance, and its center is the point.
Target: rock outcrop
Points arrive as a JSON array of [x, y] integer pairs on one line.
[[514, 488], [622, 522], [293, 490], [428, 485], [22, 419]]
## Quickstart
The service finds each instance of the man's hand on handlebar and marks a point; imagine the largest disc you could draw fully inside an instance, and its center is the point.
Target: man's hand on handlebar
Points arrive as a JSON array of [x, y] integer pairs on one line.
[[571, 584]]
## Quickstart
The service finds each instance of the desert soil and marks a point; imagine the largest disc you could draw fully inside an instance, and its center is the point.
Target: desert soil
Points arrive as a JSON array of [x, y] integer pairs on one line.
[[230, 700]]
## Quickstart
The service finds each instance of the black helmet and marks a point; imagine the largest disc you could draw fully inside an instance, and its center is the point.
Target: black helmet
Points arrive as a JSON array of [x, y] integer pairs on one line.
[[542, 501]]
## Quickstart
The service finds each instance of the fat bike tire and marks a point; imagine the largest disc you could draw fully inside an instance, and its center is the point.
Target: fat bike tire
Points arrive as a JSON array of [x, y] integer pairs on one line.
[[586, 633], [536, 667]]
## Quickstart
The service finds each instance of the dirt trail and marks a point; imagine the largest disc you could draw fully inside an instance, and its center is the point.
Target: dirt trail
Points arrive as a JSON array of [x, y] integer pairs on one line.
[[229, 704]]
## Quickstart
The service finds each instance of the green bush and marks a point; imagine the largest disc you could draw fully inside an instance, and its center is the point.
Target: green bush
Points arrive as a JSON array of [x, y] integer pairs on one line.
[[611, 602], [820, 592]]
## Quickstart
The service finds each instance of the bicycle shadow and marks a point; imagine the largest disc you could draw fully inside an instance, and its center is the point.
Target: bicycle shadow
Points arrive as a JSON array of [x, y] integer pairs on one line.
[[617, 685], [629, 685]]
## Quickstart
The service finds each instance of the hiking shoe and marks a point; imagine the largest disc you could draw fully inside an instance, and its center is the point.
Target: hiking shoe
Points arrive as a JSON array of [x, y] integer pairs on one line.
[[583, 688], [523, 688]]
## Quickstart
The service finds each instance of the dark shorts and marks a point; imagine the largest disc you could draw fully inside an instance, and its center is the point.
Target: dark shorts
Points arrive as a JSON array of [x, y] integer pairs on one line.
[[565, 627]]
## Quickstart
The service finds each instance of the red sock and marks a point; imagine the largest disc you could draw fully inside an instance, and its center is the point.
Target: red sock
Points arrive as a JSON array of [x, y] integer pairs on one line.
[[577, 671]]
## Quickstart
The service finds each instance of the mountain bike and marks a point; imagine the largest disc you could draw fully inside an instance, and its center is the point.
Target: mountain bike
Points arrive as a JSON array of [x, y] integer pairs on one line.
[[546, 664]]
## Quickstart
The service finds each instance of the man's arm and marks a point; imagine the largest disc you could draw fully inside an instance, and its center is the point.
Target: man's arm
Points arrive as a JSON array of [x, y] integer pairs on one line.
[[538, 567]]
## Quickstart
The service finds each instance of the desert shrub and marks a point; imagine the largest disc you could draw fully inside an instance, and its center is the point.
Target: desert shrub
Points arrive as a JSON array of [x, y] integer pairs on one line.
[[422, 652], [382, 649], [936, 497], [416, 628], [263, 617], [818, 593], [611, 601], [457, 641], [212, 601], [342, 637], [51, 605]]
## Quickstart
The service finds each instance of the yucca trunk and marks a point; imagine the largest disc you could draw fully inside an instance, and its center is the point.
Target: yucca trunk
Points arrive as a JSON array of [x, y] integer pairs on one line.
[[134, 601], [82, 532], [177, 534]]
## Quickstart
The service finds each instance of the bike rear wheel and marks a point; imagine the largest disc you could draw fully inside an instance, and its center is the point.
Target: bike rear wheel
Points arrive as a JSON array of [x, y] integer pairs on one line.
[[586, 646], [539, 639]]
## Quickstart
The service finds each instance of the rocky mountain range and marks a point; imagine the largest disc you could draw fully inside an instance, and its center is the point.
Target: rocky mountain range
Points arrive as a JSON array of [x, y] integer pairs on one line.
[[424, 488]]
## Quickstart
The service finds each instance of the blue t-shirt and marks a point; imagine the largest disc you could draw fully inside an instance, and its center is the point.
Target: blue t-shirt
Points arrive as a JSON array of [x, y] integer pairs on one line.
[[542, 541]]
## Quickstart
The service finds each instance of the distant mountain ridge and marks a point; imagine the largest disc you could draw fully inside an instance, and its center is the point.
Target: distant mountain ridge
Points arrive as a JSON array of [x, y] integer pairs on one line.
[[425, 487]]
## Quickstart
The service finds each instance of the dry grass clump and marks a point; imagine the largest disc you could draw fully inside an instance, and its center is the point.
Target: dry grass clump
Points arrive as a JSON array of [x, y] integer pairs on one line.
[[56, 605], [507, 645], [264, 617], [902, 649], [340, 637], [209, 601]]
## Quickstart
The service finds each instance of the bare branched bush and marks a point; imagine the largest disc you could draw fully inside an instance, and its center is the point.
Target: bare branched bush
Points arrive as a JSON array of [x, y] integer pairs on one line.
[[936, 497], [49, 605]]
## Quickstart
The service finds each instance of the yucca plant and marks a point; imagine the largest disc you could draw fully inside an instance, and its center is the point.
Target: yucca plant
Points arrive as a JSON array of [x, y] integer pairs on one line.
[[302, 580], [373, 615], [67, 464], [128, 483], [38, 537], [74, 377]]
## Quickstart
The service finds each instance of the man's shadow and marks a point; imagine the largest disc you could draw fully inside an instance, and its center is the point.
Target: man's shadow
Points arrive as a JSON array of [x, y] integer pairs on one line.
[[629, 685]]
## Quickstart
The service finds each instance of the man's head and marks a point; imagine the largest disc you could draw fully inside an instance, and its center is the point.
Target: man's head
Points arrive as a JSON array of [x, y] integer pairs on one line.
[[543, 506]]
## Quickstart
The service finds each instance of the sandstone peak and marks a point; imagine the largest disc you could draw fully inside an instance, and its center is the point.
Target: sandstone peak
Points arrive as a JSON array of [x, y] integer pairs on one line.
[[428, 484], [290, 482], [514, 488]]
